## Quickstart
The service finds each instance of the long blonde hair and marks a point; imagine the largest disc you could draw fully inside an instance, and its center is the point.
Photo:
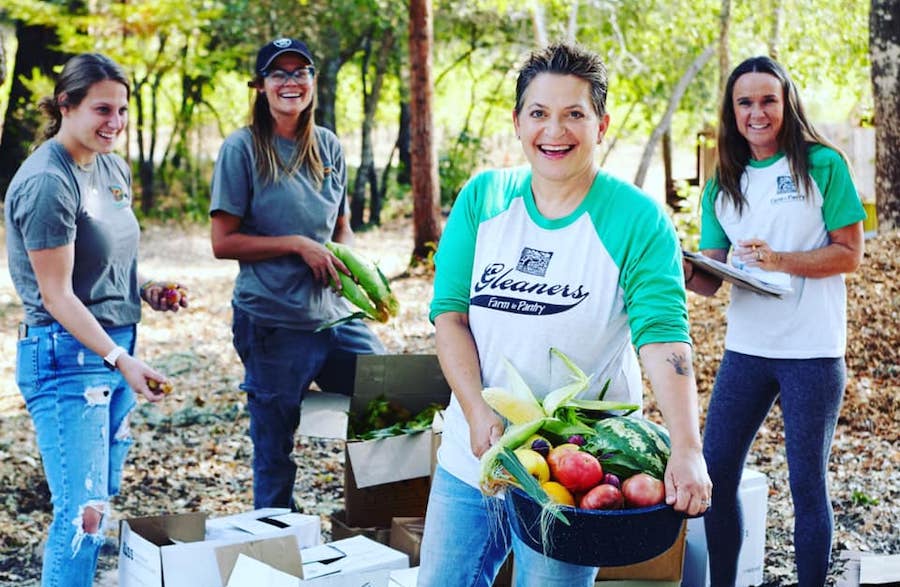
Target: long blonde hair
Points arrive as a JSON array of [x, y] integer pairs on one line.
[[306, 153]]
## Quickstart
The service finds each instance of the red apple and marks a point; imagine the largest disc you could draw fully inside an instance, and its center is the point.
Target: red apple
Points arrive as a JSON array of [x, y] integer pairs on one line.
[[577, 471], [602, 497], [556, 452], [642, 490]]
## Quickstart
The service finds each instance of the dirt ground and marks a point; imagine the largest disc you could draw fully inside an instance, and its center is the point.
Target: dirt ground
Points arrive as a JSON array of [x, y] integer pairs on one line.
[[192, 452]]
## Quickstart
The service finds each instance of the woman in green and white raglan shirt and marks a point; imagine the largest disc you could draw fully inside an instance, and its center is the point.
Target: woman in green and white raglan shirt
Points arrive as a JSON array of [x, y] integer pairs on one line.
[[783, 202], [558, 254]]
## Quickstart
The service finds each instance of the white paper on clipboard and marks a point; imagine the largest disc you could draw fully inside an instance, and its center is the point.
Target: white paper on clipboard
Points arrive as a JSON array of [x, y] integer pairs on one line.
[[734, 275]]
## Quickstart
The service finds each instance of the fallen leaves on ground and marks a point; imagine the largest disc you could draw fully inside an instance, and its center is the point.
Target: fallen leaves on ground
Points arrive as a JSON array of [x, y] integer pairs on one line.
[[192, 452]]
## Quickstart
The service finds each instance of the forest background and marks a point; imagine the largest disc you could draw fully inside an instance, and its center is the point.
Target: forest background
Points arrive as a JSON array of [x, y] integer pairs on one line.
[[424, 89]]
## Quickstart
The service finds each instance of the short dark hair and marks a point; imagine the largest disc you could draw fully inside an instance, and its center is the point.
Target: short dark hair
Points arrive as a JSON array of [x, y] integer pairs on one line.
[[565, 59], [77, 76]]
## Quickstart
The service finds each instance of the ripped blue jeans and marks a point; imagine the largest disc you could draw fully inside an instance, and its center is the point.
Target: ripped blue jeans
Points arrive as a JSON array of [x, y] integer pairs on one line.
[[80, 413]]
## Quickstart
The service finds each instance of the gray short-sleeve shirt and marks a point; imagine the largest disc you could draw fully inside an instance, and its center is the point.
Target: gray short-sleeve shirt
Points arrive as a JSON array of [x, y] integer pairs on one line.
[[52, 202], [282, 291]]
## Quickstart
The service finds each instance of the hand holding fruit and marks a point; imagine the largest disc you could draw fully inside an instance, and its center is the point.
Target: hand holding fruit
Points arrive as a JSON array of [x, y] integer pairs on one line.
[[165, 296]]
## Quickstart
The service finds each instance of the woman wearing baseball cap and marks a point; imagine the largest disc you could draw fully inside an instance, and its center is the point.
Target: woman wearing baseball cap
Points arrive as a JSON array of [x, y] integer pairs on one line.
[[278, 194]]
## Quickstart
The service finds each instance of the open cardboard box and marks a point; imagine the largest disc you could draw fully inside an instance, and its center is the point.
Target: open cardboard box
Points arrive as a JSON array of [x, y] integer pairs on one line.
[[387, 477], [663, 570], [180, 550], [340, 529]]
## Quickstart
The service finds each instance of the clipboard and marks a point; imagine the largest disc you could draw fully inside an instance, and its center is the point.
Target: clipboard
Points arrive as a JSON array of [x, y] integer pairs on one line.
[[734, 275]]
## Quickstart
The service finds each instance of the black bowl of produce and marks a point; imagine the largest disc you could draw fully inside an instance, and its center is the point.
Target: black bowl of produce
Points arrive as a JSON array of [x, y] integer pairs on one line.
[[595, 538]]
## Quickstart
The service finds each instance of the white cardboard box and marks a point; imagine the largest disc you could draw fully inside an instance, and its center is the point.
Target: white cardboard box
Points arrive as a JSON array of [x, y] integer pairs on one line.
[[753, 494], [352, 562], [352, 555], [180, 550]]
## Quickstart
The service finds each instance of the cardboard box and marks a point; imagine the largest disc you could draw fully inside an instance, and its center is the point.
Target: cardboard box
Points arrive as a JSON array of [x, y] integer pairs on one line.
[[406, 536], [376, 506], [387, 477], [753, 494], [405, 578], [356, 558], [354, 562], [412, 381], [181, 550], [340, 529], [661, 570]]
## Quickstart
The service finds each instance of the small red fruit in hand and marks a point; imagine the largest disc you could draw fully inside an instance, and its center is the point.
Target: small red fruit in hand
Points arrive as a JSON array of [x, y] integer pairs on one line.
[[642, 490], [602, 497], [172, 293]]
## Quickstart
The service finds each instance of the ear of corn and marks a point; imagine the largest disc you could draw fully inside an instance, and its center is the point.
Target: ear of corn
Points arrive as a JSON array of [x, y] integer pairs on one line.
[[563, 395], [493, 475], [370, 279], [356, 296], [512, 407]]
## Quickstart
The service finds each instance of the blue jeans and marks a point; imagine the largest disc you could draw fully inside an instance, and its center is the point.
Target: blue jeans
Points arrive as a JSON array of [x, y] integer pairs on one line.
[[80, 412], [810, 393], [279, 365], [468, 536]]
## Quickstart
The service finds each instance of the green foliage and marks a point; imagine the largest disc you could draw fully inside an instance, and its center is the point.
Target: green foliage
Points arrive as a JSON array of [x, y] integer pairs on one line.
[[862, 499], [456, 166], [190, 60], [687, 219]]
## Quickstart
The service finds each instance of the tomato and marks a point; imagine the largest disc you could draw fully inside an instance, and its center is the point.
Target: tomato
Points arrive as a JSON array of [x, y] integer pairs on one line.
[[602, 497], [578, 471], [642, 490]]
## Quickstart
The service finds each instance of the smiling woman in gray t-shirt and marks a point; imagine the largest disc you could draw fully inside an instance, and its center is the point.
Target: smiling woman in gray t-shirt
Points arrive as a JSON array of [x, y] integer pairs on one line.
[[72, 241], [278, 195]]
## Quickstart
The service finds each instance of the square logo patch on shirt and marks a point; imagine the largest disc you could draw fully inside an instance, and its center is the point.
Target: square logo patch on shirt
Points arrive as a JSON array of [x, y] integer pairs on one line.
[[786, 185], [534, 262]]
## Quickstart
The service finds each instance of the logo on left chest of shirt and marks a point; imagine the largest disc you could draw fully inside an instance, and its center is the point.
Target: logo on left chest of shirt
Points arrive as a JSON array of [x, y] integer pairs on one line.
[[534, 262], [120, 195], [785, 190]]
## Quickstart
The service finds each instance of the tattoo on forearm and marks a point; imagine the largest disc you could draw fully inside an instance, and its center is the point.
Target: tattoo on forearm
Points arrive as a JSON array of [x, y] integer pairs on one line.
[[681, 364]]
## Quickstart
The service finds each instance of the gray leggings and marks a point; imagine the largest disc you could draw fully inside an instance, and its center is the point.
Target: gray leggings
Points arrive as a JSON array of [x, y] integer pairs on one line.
[[810, 393]]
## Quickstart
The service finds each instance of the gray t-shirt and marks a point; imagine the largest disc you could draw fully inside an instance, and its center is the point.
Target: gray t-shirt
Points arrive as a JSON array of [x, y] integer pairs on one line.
[[282, 291], [52, 202]]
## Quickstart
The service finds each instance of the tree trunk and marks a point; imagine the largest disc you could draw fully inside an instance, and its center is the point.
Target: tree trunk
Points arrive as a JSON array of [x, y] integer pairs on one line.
[[666, 121], [403, 138], [724, 25], [775, 31], [326, 82], [884, 45], [425, 185], [367, 176], [22, 120]]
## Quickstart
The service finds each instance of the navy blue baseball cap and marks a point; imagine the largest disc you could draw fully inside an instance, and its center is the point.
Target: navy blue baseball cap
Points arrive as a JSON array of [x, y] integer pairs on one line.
[[272, 50]]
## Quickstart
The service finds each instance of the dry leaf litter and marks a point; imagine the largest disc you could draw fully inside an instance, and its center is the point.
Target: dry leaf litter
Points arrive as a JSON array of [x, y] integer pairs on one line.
[[192, 452]]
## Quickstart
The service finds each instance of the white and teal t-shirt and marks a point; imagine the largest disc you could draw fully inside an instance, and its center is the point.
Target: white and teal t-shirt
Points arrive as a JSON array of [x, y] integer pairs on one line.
[[811, 320], [596, 284]]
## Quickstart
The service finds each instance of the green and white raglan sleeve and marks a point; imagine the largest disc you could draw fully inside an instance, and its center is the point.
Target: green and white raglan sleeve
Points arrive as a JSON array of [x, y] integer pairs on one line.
[[643, 243], [456, 254], [712, 235], [652, 281], [841, 203]]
